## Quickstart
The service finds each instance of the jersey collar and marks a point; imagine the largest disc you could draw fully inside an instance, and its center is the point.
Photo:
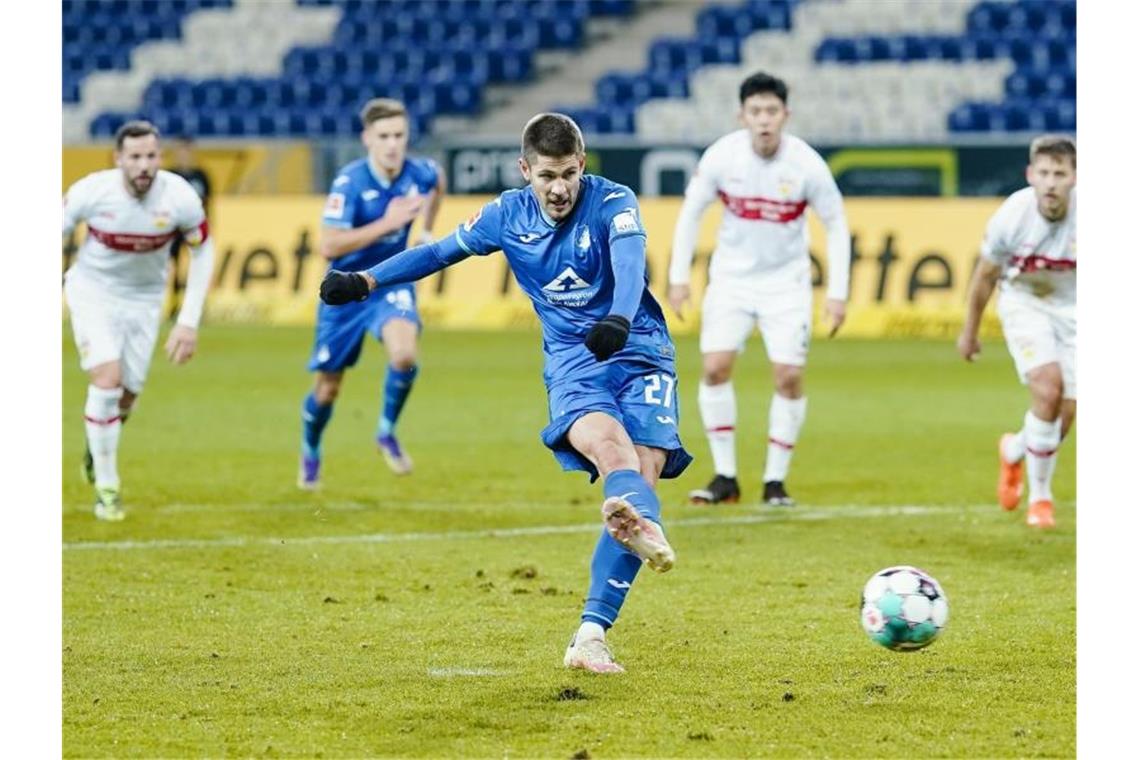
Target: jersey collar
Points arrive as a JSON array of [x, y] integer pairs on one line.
[[380, 177]]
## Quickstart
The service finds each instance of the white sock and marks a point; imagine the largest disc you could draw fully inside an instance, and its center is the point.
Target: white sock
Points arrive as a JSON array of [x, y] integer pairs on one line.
[[103, 428], [785, 418], [1013, 447], [718, 412], [590, 630], [1041, 441]]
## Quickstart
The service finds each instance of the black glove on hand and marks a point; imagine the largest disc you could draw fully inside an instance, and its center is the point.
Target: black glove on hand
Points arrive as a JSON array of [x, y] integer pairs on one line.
[[341, 287], [608, 337]]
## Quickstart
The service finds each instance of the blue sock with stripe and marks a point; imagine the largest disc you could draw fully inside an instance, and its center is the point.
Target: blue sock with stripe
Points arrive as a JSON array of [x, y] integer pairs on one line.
[[397, 386], [314, 417], [614, 568]]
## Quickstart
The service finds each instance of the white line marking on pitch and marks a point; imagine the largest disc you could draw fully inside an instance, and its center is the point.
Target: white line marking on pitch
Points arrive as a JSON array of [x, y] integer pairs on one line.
[[794, 515], [451, 672]]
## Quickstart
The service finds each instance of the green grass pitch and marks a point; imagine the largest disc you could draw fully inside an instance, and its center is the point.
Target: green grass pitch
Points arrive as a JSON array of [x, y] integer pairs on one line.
[[232, 615]]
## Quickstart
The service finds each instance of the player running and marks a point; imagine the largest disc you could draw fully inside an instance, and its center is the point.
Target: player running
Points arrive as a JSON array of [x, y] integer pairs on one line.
[[367, 218], [115, 288], [576, 246], [760, 274], [1030, 246]]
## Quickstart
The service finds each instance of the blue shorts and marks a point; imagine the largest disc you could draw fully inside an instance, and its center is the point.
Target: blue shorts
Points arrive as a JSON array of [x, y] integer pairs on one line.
[[341, 329], [639, 391]]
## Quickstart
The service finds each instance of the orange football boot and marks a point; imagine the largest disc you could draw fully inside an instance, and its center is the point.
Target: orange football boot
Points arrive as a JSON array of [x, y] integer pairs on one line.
[[1041, 514], [1010, 486]]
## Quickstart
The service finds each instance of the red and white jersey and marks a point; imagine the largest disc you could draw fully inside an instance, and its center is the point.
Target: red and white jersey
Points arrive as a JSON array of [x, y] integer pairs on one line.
[[1038, 257], [763, 235], [127, 248]]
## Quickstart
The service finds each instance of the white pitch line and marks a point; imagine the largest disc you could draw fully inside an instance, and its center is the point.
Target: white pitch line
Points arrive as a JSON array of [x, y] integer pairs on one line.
[[793, 515]]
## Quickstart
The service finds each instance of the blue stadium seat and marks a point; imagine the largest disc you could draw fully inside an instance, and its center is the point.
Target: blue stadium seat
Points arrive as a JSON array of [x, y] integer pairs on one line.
[[988, 17], [1024, 84]]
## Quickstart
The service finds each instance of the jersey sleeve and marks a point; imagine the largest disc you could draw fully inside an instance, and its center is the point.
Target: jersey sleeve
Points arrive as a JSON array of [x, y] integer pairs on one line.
[[340, 205], [995, 242], [76, 205], [481, 234], [192, 216], [621, 214], [431, 176]]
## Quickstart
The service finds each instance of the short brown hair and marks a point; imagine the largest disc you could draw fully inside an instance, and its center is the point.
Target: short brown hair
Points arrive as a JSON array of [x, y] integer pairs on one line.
[[135, 128], [381, 108], [1059, 147], [554, 135]]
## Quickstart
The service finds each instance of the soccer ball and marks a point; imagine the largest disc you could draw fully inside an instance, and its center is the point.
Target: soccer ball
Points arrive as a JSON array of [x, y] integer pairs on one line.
[[904, 608]]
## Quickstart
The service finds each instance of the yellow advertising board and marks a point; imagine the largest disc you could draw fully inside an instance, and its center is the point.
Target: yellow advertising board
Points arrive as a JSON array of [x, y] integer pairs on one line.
[[912, 262], [277, 167]]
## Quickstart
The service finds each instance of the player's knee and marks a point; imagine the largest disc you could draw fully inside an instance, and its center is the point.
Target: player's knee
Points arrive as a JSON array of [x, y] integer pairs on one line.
[[107, 375], [610, 454], [403, 360], [790, 381], [1048, 391], [716, 373], [326, 390]]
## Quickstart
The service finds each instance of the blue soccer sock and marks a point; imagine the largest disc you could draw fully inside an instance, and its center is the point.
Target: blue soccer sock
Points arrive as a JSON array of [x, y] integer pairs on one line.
[[314, 417], [614, 567], [397, 386]]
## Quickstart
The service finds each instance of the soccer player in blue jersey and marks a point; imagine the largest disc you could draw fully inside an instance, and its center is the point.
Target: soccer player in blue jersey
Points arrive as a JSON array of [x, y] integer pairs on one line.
[[576, 245], [369, 212]]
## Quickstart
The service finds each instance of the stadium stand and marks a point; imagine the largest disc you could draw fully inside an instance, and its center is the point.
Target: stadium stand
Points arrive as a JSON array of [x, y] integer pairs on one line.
[[435, 56], [247, 68], [940, 61]]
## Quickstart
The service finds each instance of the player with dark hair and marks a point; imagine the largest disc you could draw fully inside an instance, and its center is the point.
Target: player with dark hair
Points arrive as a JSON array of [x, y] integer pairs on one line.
[[759, 276], [576, 245], [367, 218]]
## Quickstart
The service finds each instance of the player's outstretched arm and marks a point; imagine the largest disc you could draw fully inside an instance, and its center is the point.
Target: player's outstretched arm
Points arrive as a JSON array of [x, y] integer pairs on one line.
[[339, 288], [183, 339], [982, 284]]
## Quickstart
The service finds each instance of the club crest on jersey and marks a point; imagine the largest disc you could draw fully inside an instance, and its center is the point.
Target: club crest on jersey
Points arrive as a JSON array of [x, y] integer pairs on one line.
[[161, 220], [584, 239], [569, 289], [369, 195]]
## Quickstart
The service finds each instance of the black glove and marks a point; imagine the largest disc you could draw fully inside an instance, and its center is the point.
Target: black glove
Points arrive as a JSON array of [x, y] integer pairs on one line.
[[341, 287], [608, 337]]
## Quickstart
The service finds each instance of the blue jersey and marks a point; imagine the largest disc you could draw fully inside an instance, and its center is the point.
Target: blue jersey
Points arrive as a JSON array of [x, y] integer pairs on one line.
[[565, 267], [359, 196]]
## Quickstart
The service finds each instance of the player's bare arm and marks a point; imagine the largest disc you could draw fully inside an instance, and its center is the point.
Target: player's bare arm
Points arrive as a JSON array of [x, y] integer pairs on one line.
[[431, 208], [678, 297], [836, 309], [336, 242], [982, 284]]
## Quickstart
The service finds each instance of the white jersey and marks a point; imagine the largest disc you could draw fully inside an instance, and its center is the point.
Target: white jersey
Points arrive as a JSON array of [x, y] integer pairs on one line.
[[1038, 257], [763, 236], [127, 248]]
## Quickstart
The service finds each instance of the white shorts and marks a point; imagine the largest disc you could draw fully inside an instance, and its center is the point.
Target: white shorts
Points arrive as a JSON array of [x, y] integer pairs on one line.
[[730, 312], [1036, 337], [110, 328]]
